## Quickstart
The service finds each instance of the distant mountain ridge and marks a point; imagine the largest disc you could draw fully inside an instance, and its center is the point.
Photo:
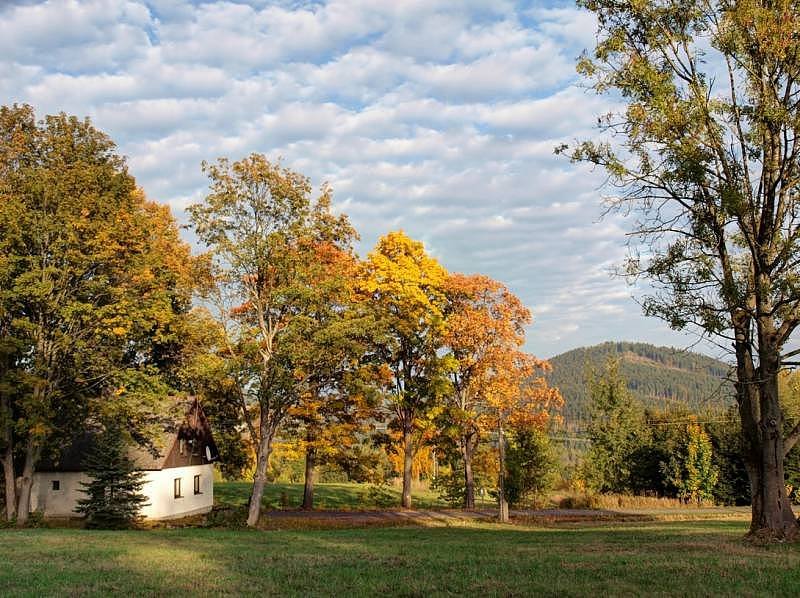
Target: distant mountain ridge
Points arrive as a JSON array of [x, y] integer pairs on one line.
[[660, 377]]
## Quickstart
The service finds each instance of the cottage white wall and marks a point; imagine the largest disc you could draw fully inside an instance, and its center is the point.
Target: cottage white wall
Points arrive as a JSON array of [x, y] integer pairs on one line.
[[57, 503], [158, 487]]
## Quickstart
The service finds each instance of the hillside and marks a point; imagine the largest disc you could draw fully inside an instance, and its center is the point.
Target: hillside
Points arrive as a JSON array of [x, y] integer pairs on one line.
[[659, 377]]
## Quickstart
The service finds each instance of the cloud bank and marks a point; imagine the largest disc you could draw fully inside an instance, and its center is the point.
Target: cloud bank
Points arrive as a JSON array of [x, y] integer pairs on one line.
[[438, 117]]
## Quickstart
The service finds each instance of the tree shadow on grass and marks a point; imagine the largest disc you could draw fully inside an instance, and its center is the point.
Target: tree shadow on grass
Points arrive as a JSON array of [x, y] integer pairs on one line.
[[636, 558]]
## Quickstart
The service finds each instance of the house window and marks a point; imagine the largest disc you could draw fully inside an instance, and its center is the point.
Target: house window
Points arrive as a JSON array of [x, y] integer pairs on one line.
[[56, 485], [177, 484], [197, 484]]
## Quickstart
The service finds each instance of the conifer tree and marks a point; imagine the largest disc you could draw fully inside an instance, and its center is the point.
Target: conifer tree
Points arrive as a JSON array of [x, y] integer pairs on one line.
[[615, 431], [114, 494]]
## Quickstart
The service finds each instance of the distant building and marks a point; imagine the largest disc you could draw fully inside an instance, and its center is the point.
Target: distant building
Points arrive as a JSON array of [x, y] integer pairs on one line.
[[179, 478]]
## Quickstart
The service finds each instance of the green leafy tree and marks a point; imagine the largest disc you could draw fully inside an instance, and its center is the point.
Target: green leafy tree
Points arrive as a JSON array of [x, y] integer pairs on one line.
[[531, 465], [331, 336], [733, 485], [94, 281], [690, 468], [114, 496], [704, 152], [264, 231], [206, 371]]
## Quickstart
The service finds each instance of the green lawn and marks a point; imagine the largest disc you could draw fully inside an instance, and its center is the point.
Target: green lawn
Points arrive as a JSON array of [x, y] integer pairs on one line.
[[326, 496], [660, 558]]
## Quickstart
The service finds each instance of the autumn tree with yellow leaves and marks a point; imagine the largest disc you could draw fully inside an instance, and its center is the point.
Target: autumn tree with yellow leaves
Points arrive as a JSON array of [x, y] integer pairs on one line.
[[407, 291]]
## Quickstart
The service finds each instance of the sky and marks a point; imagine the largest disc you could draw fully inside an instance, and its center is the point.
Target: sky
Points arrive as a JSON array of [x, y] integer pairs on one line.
[[435, 117]]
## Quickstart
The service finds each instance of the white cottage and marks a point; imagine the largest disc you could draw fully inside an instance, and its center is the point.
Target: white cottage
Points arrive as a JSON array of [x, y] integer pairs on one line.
[[179, 473]]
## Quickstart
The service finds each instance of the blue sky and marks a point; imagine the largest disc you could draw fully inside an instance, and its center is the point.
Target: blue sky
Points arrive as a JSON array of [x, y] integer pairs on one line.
[[436, 117]]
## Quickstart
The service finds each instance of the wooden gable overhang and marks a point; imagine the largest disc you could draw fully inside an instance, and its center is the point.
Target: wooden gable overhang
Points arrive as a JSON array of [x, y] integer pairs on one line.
[[193, 442]]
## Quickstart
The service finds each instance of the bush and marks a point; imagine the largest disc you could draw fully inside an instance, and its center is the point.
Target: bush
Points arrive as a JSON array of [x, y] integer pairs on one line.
[[227, 517], [580, 501], [450, 487]]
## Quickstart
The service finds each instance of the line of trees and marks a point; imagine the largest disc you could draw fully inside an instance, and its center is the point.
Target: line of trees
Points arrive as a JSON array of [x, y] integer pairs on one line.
[[657, 453], [315, 340], [291, 333]]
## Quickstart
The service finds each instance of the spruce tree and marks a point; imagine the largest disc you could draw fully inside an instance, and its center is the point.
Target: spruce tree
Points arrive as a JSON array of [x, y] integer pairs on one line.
[[114, 497], [616, 430]]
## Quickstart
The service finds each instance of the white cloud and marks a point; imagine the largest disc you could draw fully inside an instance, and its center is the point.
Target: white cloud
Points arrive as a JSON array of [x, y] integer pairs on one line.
[[436, 116]]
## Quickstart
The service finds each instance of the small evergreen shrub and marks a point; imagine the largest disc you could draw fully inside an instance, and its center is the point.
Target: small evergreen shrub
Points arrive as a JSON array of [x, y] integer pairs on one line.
[[113, 496]]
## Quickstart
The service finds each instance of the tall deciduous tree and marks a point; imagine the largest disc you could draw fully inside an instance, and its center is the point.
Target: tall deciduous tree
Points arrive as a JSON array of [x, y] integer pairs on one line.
[[264, 230], [407, 288], [328, 342], [707, 155], [519, 397], [484, 321], [94, 276]]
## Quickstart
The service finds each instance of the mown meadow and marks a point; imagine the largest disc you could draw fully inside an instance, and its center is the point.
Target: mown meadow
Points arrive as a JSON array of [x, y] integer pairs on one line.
[[657, 558]]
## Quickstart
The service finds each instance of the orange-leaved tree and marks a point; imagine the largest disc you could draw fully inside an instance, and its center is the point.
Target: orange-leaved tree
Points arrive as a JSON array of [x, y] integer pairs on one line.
[[484, 321], [518, 396], [407, 291], [493, 383]]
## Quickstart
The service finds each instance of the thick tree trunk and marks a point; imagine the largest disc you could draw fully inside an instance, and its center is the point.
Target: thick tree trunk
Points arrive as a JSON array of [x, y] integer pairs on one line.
[[762, 433], [408, 461], [772, 516], [467, 450], [32, 451], [308, 486], [260, 478], [501, 486], [7, 459], [10, 482]]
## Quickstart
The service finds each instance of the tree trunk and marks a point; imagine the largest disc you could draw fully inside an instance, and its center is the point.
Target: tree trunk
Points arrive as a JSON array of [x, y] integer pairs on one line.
[[10, 482], [762, 435], [408, 461], [467, 450], [501, 490], [260, 478], [772, 516], [308, 487], [7, 458], [26, 483]]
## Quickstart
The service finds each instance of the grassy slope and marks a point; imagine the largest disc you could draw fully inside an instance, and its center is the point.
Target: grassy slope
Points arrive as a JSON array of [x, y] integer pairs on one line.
[[698, 558], [326, 496]]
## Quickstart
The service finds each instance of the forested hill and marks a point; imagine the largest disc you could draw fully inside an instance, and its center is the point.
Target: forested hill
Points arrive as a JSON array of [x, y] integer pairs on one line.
[[659, 377]]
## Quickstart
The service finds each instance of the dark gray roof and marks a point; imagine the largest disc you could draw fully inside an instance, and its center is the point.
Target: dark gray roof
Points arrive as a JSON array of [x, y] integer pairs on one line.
[[191, 423]]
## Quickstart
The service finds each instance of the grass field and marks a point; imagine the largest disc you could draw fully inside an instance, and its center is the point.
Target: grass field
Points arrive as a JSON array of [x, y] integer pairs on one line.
[[654, 559], [326, 496]]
